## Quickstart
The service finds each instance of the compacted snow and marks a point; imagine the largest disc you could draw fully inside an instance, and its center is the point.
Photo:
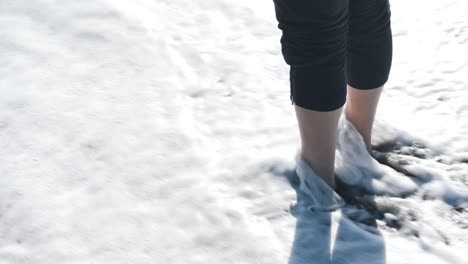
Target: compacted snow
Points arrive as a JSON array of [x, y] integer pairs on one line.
[[161, 131]]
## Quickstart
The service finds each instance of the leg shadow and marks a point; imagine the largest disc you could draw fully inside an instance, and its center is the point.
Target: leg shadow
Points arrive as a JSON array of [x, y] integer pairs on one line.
[[346, 235], [312, 239], [333, 237]]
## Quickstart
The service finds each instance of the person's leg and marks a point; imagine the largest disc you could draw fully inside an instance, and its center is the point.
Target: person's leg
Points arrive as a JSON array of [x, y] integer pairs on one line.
[[314, 45], [368, 63], [360, 111], [318, 137]]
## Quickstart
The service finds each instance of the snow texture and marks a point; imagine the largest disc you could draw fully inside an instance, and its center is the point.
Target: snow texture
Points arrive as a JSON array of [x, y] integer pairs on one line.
[[162, 132]]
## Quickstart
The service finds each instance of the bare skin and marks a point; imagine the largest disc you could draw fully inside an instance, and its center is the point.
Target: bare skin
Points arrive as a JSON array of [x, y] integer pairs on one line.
[[318, 137], [318, 129], [360, 110]]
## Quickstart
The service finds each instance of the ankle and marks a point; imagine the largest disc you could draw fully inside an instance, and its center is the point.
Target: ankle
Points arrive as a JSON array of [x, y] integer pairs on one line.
[[326, 174], [364, 131]]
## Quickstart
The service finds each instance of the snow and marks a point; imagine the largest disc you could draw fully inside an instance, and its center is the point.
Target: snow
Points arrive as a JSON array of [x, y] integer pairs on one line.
[[162, 132]]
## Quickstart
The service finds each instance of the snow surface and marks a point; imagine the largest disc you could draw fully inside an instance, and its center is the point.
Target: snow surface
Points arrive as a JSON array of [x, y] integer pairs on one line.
[[162, 132]]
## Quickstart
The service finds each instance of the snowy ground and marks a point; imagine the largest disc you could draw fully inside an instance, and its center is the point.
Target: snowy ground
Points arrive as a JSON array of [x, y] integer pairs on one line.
[[161, 131]]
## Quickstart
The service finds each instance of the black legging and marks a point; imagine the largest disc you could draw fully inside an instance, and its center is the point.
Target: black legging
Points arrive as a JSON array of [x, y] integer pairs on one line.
[[331, 43]]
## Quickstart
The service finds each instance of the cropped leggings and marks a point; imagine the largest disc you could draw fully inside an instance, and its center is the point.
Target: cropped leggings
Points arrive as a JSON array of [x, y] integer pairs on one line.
[[331, 43]]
